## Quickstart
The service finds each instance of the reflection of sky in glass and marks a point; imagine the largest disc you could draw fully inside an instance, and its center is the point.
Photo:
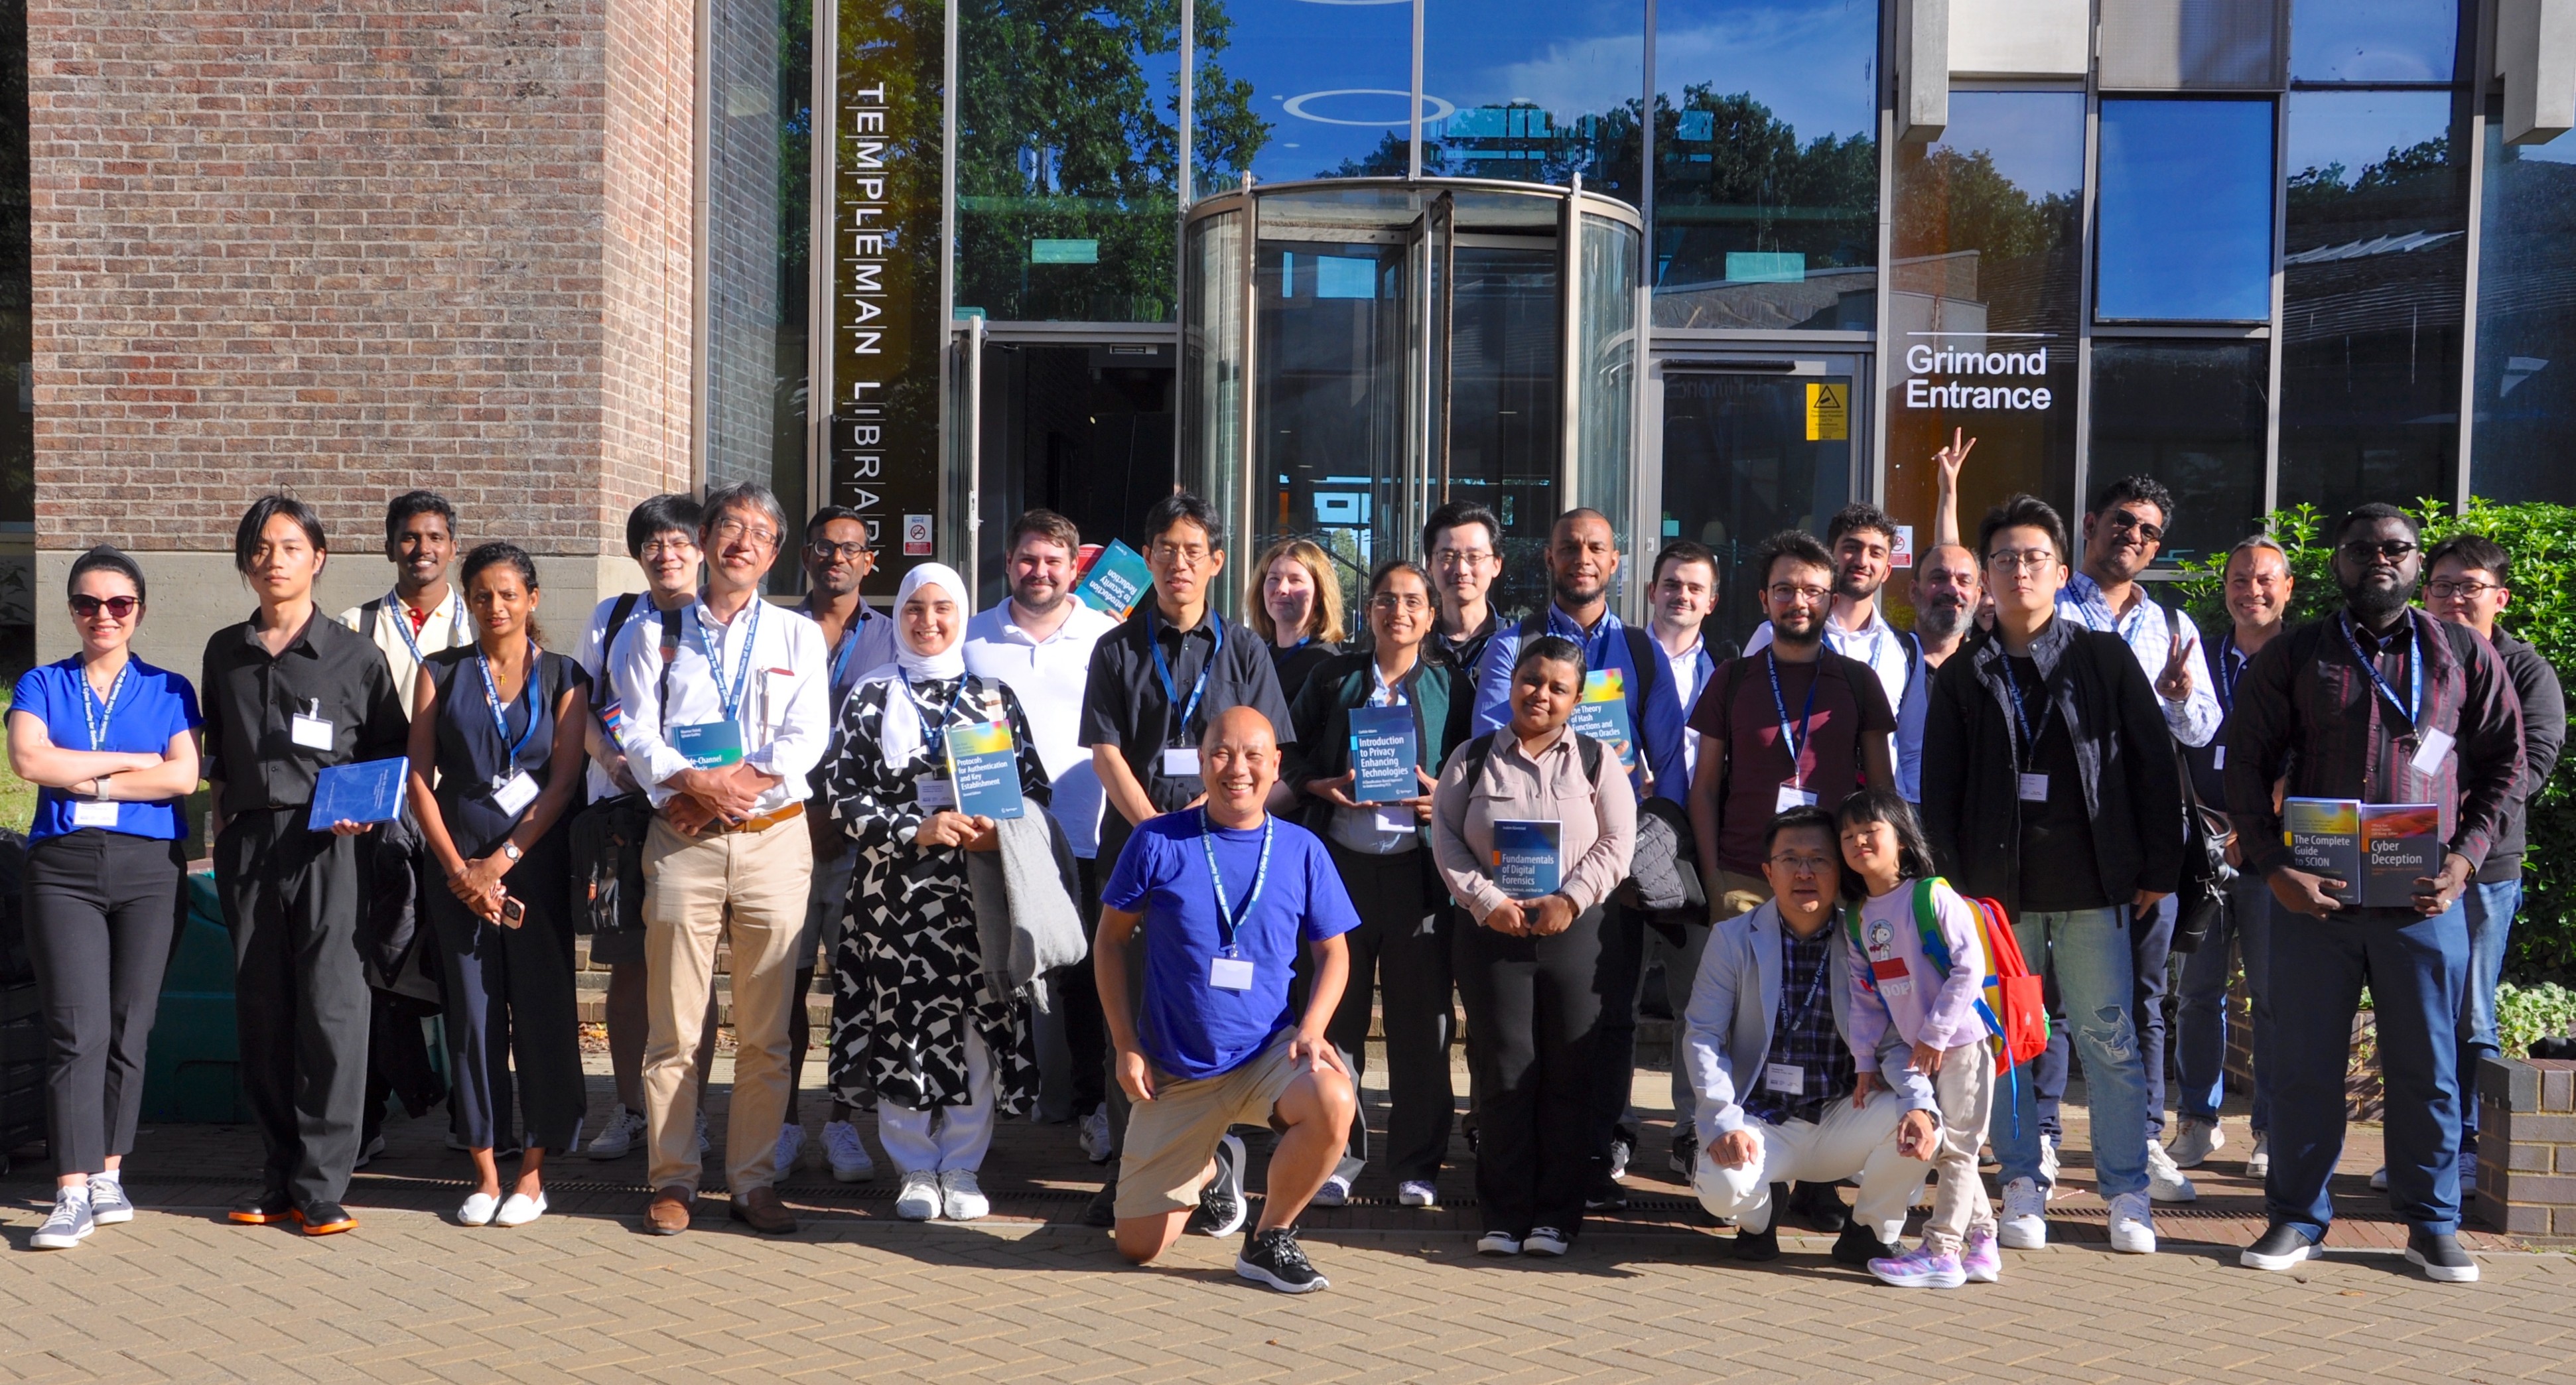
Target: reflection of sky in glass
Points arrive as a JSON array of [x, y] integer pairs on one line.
[[1810, 61], [2035, 138], [2358, 128], [2372, 40], [2185, 210], [1289, 49], [1573, 59]]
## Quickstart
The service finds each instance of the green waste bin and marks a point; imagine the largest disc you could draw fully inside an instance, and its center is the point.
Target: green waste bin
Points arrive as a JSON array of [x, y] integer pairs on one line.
[[192, 1069]]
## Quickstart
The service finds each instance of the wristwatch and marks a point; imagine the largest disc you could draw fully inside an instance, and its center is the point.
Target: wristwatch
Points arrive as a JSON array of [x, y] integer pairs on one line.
[[511, 849]]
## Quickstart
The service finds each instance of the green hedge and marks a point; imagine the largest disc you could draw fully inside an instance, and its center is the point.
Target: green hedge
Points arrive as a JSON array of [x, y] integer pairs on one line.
[[2542, 541]]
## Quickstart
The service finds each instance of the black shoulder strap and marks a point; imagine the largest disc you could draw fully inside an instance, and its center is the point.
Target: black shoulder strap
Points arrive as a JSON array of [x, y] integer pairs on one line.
[[1479, 751], [670, 655], [1590, 750], [1913, 658], [1648, 657], [619, 614], [367, 615]]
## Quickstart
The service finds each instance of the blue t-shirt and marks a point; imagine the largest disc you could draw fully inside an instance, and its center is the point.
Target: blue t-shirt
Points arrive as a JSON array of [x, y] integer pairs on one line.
[[154, 705], [1188, 1026]]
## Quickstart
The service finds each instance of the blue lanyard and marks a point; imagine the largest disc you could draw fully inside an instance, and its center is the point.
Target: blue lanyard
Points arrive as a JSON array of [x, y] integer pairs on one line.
[[1797, 771], [1163, 668], [2029, 734], [89, 699], [849, 646], [2414, 665], [1591, 643], [500, 718], [929, 732], [1815, 985], [2228, 672], [402, 625], [732, 700], [1228, 916]]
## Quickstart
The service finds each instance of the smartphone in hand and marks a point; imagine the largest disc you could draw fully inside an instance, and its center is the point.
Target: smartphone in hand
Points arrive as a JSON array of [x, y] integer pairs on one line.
[[514, 912]]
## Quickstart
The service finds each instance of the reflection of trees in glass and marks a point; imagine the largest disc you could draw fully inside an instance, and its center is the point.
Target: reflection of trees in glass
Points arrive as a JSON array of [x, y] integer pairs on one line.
[[1060, 138], [1964, 230], [795, 153], [1733, 176], [2314, 188]]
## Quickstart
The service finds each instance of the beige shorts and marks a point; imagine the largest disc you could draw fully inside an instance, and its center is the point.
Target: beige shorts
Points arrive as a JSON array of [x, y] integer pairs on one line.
[[1171, 1138]]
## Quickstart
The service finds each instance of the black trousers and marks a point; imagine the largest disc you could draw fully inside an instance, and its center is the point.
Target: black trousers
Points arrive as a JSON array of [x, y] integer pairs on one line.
[[1086, 1032], [1614, 1057], [1534, 1011], [102, 910], [300, 1002], [510, 997], [1401, 948]]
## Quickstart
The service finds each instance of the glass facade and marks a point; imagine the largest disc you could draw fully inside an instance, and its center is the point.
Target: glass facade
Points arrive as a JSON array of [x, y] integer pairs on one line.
[[2525, 391], [2206, 257], [2191, 414]]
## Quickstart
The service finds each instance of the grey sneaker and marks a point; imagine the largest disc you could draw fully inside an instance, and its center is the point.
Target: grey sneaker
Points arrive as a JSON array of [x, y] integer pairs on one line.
[[70, 1222], [2199, 1139], [108, 1204]]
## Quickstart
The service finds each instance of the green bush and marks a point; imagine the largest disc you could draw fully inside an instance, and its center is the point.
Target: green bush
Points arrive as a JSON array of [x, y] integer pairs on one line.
[[2525, 1013], [2542, 542]]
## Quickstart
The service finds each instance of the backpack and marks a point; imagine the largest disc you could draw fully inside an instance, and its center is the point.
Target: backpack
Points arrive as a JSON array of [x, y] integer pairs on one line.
[[1643, 655], [607, 839], [2011, 1003]]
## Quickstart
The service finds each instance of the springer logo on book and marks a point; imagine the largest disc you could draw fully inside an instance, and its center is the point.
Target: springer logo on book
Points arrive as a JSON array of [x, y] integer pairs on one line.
[[2378, 850], [986, 769]]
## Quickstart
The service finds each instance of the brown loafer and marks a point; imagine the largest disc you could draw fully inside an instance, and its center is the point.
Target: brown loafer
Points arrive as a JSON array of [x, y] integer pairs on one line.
[[761, 1210], [668, 1213]]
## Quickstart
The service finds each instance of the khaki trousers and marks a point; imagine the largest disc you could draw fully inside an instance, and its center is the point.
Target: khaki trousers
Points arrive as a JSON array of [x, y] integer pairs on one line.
[[1965, 1087], [696, 889]]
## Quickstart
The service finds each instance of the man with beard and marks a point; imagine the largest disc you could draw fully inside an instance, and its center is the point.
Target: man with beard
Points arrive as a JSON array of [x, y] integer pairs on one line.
[[1862, 540], [2377, 703], [1946, 591]]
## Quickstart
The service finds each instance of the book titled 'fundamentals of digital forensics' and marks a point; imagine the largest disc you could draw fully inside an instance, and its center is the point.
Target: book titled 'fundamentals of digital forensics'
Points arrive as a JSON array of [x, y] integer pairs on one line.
[[2378, 850], [1525, 857]]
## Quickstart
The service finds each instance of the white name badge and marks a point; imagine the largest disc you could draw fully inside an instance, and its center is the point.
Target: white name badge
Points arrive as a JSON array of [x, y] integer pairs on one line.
[[1394, 819], [1181, 762], [2034, 788], [2430, 754], [93, 812], [1230, 973], [1791, 796], [312, 733], [2218, 757], [1788, 1079], [514, 795], [932, 791]]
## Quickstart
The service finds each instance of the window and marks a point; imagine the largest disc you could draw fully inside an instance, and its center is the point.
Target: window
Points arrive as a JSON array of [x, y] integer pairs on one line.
[[1302, 90], [2184, 214], [2192, 415], [759, 202], [2526, 371], [2373, 40], [1534, 93]]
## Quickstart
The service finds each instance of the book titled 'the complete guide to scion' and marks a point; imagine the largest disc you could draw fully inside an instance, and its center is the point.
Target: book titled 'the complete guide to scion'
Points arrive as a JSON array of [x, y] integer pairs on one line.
[[2378, 850]]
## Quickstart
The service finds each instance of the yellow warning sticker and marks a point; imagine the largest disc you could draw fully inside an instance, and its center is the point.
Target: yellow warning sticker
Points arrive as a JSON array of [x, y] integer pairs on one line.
[[1828, 413]]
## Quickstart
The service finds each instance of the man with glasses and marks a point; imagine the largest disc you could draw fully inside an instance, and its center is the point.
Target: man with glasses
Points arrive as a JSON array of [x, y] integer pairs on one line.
[[2381, 704], [1460, 545], [1155, 684], [2049, 784], [837, 560], [724, 756], [1862, 540]]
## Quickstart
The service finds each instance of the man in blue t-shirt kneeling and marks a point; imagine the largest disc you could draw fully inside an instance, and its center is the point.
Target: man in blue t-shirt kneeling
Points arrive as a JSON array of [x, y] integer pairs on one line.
[[1225, 892]]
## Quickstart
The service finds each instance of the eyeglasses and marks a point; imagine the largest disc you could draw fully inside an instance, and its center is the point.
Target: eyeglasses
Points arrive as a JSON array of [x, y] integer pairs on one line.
[[837, 552], [1392, 602], [1462, 557], [1785, 591], [2461, 590], [1803, 865], [117, 607], [2127, 523], [2033, 559], [2390, 550], [1172, 554], [672, 548], [736, 531]]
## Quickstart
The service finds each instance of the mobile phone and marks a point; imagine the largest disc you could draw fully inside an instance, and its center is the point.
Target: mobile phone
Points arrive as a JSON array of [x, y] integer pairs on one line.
[[514, 912]]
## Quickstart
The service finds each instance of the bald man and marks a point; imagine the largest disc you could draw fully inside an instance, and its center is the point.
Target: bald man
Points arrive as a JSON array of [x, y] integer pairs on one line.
[[1227, 891]]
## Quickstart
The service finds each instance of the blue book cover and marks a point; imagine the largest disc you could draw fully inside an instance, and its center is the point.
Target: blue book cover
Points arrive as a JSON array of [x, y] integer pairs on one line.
[[1116, 581], [368, 791], [985, 767], [709, 745], [1603, 714], [1382, 753], [1525, 857]]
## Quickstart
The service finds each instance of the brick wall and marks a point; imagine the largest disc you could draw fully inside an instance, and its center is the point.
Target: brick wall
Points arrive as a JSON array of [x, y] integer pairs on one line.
[[2527, 1146]]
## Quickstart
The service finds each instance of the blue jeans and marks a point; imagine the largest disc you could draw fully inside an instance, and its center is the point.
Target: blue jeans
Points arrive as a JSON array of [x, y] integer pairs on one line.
[[2490, 909], [2150, 949], [2417, 970], [2088, 951], [2200, 1028]]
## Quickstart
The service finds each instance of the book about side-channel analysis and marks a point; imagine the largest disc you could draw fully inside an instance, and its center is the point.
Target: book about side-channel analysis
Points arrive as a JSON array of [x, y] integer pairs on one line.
[[2379, 850]]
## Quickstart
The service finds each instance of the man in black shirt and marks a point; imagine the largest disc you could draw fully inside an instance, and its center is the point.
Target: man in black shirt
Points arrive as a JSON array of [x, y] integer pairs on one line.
[[287, 694]]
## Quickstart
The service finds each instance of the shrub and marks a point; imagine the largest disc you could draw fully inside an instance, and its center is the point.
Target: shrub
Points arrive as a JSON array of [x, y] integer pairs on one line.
[[2542, 542], [2525, 1013]]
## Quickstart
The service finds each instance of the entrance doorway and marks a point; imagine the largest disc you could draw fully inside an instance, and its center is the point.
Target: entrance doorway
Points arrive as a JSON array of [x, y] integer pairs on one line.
[[1081, 427], [1751, 446]]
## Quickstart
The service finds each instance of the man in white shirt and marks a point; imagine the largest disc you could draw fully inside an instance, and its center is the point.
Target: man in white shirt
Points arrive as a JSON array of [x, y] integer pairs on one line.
[[1038, 640], [662, 538], [1863, 539], [724, 761], [423, 614]]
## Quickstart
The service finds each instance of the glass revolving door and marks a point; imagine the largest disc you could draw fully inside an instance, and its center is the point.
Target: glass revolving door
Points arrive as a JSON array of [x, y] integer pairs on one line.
[[1358, 353]]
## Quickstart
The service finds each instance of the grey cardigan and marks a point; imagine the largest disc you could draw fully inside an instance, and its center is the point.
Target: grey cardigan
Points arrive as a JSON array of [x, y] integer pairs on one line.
[[1728, 1027]]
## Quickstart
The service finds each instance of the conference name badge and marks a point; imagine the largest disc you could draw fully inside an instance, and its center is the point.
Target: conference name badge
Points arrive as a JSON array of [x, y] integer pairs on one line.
[[311, 732], [1181, 762], [2435, 749], [93, 812], [514, 794], [1791, 796], [935, 791], [1788, 1079], [2034, 788], [1230, 973]]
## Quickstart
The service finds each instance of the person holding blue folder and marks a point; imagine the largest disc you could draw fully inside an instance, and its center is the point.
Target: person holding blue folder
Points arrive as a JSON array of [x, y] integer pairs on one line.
[[490, 782], [291, 693]]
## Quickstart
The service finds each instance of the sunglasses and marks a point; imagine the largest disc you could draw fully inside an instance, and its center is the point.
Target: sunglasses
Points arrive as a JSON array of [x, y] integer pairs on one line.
[[2387, 550], [117, 607]]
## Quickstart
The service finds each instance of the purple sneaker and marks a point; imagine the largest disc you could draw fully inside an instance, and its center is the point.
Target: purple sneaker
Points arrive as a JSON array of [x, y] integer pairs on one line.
[[1978, 1256], [1920, 1268]]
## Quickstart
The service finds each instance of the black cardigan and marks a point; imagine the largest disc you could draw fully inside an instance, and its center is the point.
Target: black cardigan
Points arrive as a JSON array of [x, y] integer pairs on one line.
[[1442, 698]]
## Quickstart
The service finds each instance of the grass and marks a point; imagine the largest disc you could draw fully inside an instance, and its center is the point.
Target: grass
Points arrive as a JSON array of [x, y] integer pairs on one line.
[[17, 796]]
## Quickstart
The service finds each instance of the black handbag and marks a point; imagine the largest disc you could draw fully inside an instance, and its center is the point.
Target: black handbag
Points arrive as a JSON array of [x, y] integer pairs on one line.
[[2201, 892]]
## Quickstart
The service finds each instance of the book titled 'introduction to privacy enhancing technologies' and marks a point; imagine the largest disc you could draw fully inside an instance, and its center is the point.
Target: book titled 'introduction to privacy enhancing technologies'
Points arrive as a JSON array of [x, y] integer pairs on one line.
[[1382, 755], [2378, 850], [1526, 857], [368, 791], [985, 767]]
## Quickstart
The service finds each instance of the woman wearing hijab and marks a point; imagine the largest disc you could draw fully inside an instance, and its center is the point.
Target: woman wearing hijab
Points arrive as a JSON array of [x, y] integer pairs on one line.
[[916, 1022]]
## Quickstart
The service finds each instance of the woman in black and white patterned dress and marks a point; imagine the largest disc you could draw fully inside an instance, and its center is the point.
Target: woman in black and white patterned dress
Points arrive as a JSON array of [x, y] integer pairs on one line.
[[914, 1018]]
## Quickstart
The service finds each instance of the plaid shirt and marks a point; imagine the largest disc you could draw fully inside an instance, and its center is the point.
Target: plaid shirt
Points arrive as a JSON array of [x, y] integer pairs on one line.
[[2307, 707], [1803, 1034]]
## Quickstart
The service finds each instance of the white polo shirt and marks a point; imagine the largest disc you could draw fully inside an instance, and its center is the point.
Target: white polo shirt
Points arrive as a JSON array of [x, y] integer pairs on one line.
[[1048, 676], [446, 627]]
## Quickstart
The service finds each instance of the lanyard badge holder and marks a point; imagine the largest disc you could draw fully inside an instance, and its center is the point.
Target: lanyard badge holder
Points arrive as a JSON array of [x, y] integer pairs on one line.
[[932, 788], [1182, 761], [99, 811], [2430, 746], [1795, 793], [714, 745], [1790, 1079], [1230, 970], [2034, 786], [512, 789]]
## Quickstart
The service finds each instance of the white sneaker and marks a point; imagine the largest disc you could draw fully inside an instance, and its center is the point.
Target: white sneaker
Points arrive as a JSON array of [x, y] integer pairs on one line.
[[2047, 1165], [2199, 1139], [1336, 1192], [2165, 1183], [791, 1147], [2133, 1225], [2259, 1163], [1416, 1193], [1095, 1134], [1498, 1243], [962, 1198], [478, 1210], [367, 1152], [847, 1152], [702, 1131], [616, 1139], [919, 1200], [519, 1209], [2379, 1179], [2024, 1223]]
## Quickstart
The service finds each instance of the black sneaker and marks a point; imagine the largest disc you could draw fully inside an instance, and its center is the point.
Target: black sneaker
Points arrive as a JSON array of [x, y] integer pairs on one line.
[[1274, 1258], [1858, 1245], [1685, 1156], [2440, 1256], [1221, 1209], [2279, 1248], [1605, 1195], [1103, 1210], [1757, 1245], [1821, 1207], [324, 1219]]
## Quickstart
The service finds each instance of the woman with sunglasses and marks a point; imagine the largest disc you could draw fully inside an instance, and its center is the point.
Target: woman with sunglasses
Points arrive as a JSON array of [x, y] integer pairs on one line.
[[110, 741], [483, 731]]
